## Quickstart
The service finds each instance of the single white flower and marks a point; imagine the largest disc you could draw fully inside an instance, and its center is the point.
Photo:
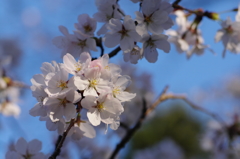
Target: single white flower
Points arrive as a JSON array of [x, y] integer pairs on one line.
[[154, 17], [124, 34], [119, 85], [86, 25], [58, 83], [76, 67], [229, 35], [91, 83], [150, 45], [75, 43], [63, 105], [101, 108]]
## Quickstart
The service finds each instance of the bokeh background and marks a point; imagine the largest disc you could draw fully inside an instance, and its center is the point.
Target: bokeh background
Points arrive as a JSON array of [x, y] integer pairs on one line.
[[27, 29]]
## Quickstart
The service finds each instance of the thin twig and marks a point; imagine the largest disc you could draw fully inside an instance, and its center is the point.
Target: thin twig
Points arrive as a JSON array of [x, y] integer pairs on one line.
[[60, 144], [131, 132], [114, 52]]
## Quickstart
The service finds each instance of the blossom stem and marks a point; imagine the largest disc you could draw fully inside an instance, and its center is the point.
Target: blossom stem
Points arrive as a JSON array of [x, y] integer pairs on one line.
[[227, 11], [60, 143]]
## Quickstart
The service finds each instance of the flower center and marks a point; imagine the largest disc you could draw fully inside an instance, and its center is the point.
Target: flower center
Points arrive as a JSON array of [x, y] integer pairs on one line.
[[134, 52], [77, 67], [62, 85], [63, 101], [81, 43], [148, 19], [107, 67], [116, 91], [123, 32], [93, 83], [100, 106], [87, 28], [229, 29]]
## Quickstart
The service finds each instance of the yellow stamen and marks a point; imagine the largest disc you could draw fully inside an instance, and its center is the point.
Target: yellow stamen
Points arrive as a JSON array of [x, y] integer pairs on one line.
[[93, 83], [116, 91], [100, 106], [107, 67], [78, 67], [62, 85]]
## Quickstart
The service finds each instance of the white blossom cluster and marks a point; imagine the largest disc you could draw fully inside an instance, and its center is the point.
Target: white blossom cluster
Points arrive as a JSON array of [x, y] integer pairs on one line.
[[96, 86], [120, 29], [187, 38], [229, 34]]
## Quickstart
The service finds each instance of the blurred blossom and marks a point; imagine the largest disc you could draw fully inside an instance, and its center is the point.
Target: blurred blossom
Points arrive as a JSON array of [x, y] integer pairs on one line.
[[222, 141], [166, 149], [233, 86], [10, 52], [31, 17]]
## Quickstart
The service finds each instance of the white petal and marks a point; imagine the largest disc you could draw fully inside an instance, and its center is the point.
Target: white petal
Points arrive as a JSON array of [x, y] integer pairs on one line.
[[69, 111], [125, 96], [112, 39], [34, 146], [21, 146], [88, 102], [151, 54], [88, 130], [94, 118]]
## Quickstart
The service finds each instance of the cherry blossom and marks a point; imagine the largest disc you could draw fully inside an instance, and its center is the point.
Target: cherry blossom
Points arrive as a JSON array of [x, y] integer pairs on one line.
[[76, 67], [125, 34], [75, 43], [154, 17], [63, 105], [150, 45], [86, 25], [101, 108], [230, 35], [120, 84]]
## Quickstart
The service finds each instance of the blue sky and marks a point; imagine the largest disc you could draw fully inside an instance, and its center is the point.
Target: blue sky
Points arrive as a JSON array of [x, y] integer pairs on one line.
[[171, 69]]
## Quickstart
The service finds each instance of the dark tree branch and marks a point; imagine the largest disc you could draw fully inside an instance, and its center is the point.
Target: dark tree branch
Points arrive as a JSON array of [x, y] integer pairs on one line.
[[99, 44], [123, 125], [131, 132], [60, 143], [114, 52]]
